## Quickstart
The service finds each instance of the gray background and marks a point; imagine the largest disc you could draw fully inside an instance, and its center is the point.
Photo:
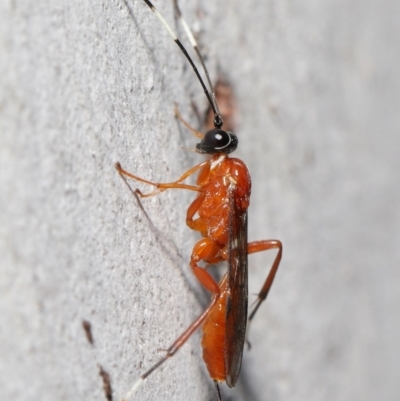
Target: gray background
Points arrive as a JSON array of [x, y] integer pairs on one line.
[[83, 85]]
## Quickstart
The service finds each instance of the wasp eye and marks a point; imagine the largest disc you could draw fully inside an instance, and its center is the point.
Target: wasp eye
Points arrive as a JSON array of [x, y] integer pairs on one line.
[[217, 141]]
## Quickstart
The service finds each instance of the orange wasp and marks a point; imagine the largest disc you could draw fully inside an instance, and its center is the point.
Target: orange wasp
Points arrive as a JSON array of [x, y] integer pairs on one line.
[[219, 214]]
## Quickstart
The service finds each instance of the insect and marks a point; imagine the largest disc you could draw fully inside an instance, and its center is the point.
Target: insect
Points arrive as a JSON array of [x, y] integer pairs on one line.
[[219, 214]]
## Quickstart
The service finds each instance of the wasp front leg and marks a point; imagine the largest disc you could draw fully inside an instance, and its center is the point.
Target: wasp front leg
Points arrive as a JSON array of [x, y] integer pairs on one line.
[[161, 187]]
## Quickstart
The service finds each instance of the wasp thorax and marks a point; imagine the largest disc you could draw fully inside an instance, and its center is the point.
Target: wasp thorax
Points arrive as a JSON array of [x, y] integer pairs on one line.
[[217, 141]]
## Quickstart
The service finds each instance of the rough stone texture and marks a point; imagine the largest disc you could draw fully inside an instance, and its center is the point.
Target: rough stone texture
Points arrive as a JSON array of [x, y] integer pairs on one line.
[[83, 85]]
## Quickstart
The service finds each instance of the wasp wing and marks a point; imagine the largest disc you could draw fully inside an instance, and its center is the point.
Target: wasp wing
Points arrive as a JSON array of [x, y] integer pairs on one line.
[[236, 302]]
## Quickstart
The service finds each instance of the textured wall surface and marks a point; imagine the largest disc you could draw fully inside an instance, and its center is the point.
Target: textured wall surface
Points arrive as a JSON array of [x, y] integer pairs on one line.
[[86, 84]]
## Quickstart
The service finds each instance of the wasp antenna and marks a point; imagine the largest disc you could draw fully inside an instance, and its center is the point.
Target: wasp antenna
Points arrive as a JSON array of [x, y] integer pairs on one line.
[[196, 49], [211, 99], [132, 391]]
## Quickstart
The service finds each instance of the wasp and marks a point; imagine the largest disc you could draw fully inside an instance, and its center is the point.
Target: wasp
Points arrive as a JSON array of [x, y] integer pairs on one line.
[[219, 215]]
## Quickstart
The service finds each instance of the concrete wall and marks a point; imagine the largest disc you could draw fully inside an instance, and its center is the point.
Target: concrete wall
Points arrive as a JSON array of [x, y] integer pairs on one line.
[[83, 85]]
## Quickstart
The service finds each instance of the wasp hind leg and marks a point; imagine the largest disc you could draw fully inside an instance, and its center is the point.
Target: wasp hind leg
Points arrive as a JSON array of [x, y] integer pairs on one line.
[[259, 246]]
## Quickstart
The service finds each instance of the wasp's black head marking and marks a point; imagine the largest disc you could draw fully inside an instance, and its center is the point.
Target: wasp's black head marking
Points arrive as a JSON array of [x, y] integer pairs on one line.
[[218, 141]]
